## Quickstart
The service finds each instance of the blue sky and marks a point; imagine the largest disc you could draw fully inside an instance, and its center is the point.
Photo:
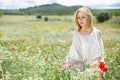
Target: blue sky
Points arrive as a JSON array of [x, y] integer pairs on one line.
[[16, 4]]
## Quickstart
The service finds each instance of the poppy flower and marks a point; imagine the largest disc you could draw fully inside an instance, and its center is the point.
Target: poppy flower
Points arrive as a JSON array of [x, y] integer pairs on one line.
[[12, 49], [103, 67], [46, 59]]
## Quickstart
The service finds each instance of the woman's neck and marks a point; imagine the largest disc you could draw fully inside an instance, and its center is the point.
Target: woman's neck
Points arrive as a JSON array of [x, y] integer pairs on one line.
[[85, 31]]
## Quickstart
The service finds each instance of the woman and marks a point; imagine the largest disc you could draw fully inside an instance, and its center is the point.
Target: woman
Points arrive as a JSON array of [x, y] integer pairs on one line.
[[87, 45]]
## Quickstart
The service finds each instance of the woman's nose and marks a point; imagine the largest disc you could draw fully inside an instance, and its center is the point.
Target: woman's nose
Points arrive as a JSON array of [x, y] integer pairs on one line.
[[80, 19]]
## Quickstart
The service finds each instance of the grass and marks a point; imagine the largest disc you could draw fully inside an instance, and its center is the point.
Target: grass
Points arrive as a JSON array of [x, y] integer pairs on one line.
[[32, 49]]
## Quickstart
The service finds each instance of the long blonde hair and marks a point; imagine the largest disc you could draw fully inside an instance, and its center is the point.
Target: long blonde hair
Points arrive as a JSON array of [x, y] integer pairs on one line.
[[86, 11]]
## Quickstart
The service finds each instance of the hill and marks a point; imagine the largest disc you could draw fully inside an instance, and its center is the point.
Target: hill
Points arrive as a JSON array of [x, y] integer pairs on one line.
[[54, 9], [48, 9]]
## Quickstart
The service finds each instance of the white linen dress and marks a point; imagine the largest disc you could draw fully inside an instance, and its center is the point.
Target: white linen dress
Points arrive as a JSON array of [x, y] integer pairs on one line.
[[85, 48]]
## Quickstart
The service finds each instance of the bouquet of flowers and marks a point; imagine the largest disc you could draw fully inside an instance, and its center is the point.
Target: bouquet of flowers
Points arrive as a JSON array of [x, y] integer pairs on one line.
[[99, 68], [103, 67]]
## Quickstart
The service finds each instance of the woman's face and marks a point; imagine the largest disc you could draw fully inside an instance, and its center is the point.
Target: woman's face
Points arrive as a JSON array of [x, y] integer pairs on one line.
[[82, 19]]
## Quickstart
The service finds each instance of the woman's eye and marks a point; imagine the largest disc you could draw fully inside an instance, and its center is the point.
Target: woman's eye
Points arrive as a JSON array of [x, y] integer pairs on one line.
[[83, 17]]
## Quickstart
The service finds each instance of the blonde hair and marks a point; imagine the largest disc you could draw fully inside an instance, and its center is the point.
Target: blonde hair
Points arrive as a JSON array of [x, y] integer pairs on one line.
[[87, 12]]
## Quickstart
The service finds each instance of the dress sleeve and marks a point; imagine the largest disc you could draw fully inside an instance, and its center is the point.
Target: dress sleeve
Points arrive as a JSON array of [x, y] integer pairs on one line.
[[100, 40], [73, 56]]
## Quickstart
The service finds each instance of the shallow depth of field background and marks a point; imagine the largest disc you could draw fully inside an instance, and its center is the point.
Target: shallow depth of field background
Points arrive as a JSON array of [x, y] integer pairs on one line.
[[34, 49]]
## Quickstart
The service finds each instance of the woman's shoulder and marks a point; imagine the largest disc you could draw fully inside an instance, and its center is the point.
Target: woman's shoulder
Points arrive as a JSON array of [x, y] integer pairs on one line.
[[97, 31], [75, 33]]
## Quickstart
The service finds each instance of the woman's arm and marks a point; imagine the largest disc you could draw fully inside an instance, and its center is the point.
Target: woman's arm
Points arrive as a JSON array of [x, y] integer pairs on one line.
[[73, 56], [100, 58], [67, 65]]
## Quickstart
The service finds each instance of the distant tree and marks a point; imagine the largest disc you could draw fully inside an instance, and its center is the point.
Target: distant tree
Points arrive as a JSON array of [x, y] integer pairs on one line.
[[21, 9], [46, 18], [38, 16], [35, 6], [103, 16], [29, 13], [1, 13]]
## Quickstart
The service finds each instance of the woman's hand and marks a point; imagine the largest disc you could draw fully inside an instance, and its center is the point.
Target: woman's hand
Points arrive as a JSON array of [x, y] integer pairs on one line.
[[95, 65], [96, 62], [66, 66], [102, 74]]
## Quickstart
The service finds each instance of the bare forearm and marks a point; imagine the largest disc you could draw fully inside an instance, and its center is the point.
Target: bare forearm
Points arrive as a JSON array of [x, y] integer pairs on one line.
[[96, 62], [69, 64]]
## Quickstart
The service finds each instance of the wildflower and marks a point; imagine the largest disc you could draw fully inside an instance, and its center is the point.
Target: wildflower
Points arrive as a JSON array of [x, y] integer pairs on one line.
[[111, 39], [46, 59], [12, 49], [103, 67]]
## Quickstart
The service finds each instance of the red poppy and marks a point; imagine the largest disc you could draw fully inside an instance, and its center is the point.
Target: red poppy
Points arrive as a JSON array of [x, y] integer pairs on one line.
[[12, 49], [46, 59], [102, 67]]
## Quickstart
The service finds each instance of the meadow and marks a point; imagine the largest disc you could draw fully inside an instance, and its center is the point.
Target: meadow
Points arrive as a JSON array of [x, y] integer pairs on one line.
[[34, 49]]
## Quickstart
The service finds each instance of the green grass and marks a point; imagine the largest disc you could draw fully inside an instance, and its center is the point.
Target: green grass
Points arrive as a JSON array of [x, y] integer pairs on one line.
[[34, 40]]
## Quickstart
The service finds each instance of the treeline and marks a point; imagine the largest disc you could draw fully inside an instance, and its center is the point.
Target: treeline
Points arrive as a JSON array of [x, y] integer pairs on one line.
[[48, 9], [11, 12], [51, 9], [113, 12], [54, 9], [1, 13]]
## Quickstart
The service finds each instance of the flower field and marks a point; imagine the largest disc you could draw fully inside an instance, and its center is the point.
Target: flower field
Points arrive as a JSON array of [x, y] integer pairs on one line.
[[32, 49]]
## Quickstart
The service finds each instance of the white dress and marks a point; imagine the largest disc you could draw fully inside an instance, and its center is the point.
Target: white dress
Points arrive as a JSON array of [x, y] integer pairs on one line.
[[85, 48]]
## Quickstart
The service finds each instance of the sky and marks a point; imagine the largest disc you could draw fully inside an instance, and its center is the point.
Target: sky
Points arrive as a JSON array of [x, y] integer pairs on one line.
[[17, 4]]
